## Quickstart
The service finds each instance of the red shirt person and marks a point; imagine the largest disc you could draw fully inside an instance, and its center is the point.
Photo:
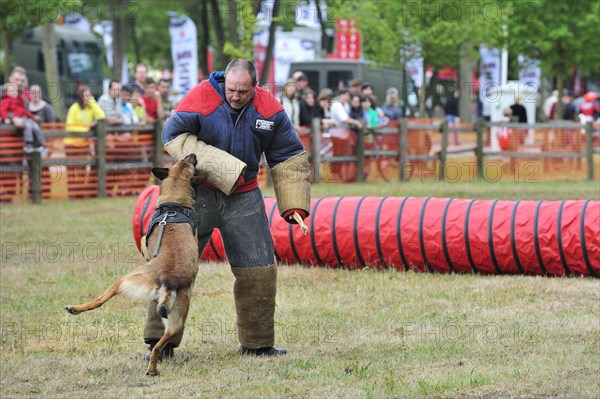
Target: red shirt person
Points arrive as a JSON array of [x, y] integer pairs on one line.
[[152, 101]]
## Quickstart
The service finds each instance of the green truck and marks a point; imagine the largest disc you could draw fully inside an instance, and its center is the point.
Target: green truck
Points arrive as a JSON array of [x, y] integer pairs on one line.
[[79, 56]]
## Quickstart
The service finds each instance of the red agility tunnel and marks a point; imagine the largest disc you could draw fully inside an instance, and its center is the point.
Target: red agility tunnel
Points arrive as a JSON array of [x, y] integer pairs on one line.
[[554, 238]]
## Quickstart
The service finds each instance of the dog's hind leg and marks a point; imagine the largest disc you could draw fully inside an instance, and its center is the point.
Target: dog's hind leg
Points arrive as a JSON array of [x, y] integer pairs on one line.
[[136, 284], [174, 326]]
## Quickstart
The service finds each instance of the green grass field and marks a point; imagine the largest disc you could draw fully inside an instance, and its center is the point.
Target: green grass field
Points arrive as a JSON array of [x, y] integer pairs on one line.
[[368, 334]]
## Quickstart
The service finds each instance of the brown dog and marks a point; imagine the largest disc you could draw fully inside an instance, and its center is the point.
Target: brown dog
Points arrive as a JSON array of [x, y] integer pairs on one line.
[[169, 275]]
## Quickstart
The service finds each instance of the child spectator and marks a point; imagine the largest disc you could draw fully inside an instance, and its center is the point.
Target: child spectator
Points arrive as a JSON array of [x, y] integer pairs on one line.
[[152, 102], [13, 111]]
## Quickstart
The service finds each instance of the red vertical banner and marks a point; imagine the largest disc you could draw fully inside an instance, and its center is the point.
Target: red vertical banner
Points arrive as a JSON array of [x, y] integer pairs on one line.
[[347, 39]]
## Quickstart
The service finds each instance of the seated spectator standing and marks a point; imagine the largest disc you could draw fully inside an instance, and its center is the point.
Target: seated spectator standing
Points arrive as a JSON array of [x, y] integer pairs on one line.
[[44, 113], [111, 103], [152, 102], [81, 118], [355, 86], [14, 111]]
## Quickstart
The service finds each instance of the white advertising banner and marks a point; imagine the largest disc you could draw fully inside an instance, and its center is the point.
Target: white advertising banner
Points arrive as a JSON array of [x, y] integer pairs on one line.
[[184, 51], [291, 47], [530, 73], [489, 75]]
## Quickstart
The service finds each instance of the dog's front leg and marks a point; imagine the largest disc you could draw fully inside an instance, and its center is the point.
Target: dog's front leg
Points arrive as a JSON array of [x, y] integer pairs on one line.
[[96, 303]]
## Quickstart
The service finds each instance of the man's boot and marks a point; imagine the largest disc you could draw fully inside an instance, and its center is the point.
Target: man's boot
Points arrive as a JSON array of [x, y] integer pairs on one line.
[[254, 291], [154, 330]]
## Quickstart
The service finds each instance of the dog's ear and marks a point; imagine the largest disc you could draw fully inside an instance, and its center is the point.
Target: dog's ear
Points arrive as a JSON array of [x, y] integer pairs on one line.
[[160, 173]]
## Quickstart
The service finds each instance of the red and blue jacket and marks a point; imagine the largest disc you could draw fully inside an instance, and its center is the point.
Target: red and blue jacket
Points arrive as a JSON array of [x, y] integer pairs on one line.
[[261, 127]]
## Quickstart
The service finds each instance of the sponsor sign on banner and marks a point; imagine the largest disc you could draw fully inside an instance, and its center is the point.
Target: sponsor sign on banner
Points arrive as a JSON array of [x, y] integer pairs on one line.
[[184, 51], [347, 40], [489, 75], [530, 73]]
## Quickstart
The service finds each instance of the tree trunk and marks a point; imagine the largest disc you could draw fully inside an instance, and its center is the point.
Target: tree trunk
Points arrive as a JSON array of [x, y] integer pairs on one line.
[[464, 82], [232, 23], [136, 43], [560, 83], [119, 46], [326, 41], [264, 75], [51, 67], [204, 38], [220, 33], [7, 65]]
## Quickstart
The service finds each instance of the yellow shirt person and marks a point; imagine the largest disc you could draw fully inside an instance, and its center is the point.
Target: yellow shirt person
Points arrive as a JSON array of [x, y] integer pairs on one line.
[[82, 115]]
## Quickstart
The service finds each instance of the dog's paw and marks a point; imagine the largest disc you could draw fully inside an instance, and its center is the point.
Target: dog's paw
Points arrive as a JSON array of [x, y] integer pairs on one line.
[[71, 309], [152, 373]]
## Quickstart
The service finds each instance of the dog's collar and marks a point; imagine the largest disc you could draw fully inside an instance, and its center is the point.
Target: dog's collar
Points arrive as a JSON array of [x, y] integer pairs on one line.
[[170, 212]]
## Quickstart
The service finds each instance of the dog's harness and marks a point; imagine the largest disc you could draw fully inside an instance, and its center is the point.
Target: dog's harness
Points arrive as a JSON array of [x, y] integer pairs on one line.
[[169, 212]]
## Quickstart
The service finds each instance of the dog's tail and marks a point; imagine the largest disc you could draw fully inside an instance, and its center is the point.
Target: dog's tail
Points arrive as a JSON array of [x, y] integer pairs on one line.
[[166, 299]]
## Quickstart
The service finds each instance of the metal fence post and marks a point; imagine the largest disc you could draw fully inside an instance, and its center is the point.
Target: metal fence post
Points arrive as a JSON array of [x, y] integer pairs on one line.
[[444, 149], [479, 129], [589, 149], [316, 149], [158, 146], [101, 166], [35, 177], [403, 152], [360, 154]]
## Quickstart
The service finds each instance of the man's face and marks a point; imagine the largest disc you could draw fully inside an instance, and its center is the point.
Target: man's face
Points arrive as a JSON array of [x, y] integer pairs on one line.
[[141, 73], [238, 88], [163, 87], [18, 79], [115, 90]]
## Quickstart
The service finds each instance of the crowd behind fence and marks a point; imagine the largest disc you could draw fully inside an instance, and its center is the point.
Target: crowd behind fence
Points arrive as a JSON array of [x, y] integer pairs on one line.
[[400, 151]]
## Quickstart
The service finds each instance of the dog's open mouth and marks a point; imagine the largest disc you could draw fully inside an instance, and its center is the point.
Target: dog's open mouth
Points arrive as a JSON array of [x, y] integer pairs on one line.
[[191, 159]]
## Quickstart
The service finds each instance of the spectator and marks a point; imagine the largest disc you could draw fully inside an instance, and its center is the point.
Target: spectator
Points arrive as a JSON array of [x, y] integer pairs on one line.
[[391, 108], [370, 116], [140, 74], [356, 111], [138, 106], [339, 112], [355, 86], [325, 99], [83, 114], [152, 102], [451, 110], [570, 110], [308, 108], [301, 82], [111, 103], [127, 111], [14, 111], [367, 89], [81, 118], [519, 111], [164, 86], [44, 113], [290, 102], [549, 102]]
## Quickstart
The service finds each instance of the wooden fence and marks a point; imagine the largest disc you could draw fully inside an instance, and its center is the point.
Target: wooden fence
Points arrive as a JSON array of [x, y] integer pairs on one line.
[[116, 161]]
